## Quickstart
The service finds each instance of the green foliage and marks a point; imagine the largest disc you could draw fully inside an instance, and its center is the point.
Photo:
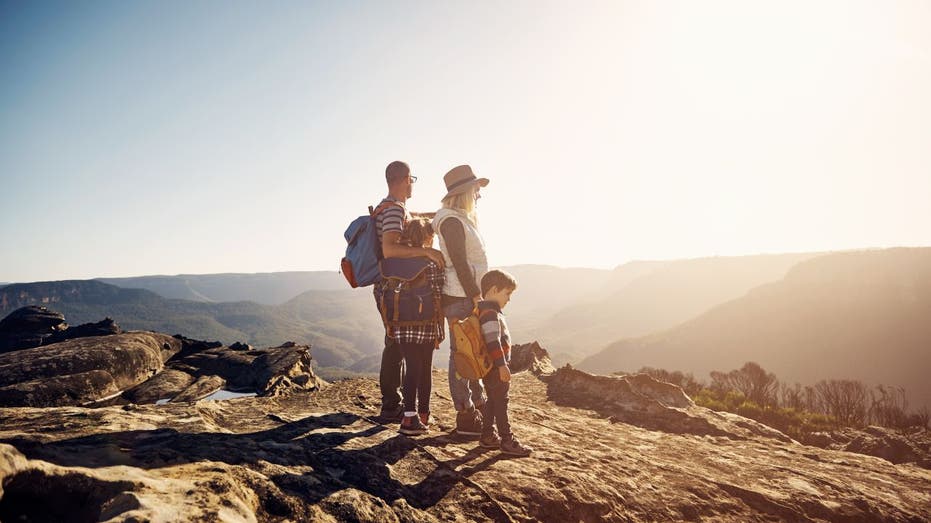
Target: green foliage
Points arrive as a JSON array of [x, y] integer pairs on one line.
[[794, 422]]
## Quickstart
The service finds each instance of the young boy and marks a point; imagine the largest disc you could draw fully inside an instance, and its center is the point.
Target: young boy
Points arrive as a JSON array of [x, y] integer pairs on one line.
[[497, 287]]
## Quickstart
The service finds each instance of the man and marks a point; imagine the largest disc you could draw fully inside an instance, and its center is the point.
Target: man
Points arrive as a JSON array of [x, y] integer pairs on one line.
[[389, 225]]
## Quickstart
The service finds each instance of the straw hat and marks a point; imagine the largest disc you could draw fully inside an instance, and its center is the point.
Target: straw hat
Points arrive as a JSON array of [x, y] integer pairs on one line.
[[461, 179]]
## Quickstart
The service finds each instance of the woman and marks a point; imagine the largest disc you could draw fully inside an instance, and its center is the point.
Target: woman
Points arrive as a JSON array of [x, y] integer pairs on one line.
[[464, 253]]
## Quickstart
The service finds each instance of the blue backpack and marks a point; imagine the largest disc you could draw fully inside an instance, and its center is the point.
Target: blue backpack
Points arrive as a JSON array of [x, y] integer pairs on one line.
[[363, 252]]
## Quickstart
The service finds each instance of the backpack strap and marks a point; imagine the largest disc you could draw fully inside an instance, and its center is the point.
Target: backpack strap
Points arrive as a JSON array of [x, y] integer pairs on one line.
[[384, 205]]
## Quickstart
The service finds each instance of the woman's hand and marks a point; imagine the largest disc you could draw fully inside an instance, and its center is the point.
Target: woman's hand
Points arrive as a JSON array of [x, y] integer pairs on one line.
[[505, 373]]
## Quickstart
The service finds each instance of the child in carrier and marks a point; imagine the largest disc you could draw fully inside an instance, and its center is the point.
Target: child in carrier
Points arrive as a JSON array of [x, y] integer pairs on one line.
[[418, 342]]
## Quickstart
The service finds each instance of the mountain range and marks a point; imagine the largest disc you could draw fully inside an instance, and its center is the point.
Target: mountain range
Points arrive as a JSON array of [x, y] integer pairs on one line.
[[856, 315], [271, 288], [642, 297]]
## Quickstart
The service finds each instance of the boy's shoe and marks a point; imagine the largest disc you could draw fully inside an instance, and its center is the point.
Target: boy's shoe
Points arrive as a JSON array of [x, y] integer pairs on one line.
[[469, 422], [490, 441], [514, 447], [412, 426]]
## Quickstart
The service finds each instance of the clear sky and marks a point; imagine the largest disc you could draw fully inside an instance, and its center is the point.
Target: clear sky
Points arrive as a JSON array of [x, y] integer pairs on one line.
[[200, 137]]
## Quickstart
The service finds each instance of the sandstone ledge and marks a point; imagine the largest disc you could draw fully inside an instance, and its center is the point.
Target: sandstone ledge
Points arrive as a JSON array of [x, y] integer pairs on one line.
[[323, 456]]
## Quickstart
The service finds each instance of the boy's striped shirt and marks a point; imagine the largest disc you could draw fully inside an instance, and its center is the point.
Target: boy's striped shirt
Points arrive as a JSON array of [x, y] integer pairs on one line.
[[495, 332]]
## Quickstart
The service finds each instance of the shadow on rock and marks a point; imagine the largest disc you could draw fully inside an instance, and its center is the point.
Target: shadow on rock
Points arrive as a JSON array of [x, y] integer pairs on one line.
[[316, 442]]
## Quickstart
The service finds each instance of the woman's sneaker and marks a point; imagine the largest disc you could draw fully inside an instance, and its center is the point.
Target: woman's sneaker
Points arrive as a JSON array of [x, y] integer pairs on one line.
[[391, 413], [469, 422], [514, 447], [426, 419], [490, 441], [412, 426]]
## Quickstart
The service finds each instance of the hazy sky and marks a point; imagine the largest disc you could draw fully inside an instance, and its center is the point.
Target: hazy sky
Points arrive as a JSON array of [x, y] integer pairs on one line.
[[199, 137]]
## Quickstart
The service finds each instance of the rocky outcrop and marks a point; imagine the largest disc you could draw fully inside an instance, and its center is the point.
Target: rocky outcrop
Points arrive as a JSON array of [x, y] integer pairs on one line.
[[32, 326], [268, 372], [531, 357], [323, 456], [82, 370], [104, 327], [896, 447], [27, 327], [645, 401], [96, 363], [163, 386], [201, 388]]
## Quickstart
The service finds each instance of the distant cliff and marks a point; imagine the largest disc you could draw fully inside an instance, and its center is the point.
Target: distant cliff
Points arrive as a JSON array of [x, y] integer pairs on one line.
[[859, 315]]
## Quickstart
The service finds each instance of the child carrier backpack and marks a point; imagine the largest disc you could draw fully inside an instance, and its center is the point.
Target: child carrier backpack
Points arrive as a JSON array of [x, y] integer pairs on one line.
[[471, 354], [363, 252], [405, 296]]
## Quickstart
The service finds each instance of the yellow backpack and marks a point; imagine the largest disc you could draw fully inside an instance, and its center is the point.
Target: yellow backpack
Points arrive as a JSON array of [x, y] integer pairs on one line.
[[471, 355]]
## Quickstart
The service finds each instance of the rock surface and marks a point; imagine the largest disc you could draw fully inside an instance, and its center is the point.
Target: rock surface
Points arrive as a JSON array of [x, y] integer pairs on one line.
[[644, 453], [163, 386], [82, 370], [26, 327], [897, 447], [32, 326], [142, 367], [269, 372]]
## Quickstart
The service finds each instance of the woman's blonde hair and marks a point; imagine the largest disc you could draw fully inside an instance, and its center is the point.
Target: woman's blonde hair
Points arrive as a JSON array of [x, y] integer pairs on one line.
[[463, 202]]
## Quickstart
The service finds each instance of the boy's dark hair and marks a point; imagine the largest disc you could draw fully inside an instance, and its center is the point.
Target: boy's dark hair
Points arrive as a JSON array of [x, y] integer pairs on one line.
[[499, 279], [416, 232]]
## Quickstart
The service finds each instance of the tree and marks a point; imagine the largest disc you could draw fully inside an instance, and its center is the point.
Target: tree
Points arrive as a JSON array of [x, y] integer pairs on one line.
[[751, 380], [686, 381], [888, 406], [792, 397], [846, 400]]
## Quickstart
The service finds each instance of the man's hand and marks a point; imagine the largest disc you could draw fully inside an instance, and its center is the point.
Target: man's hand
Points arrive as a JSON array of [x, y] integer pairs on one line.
[[505, 373], [391, 247]]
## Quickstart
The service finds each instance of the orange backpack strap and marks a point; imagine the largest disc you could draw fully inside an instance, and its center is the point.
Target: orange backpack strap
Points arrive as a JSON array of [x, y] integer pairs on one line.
[[382, 207]]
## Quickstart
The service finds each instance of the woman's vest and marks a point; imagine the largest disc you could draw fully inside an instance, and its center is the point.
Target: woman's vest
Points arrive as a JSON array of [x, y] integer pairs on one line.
[[474, 247]]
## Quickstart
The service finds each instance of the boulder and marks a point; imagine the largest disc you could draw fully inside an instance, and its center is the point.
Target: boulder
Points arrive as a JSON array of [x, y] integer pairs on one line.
[[27, 327], [203, 387], [532, 357], [34, 326], [268, 371], [646, 401], [891, 445], [192, 346], [82, 370], [103, 327], [164, 385]]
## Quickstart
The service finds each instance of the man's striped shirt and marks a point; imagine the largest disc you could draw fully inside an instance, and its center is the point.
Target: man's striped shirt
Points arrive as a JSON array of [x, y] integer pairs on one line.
[[392, 218]]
